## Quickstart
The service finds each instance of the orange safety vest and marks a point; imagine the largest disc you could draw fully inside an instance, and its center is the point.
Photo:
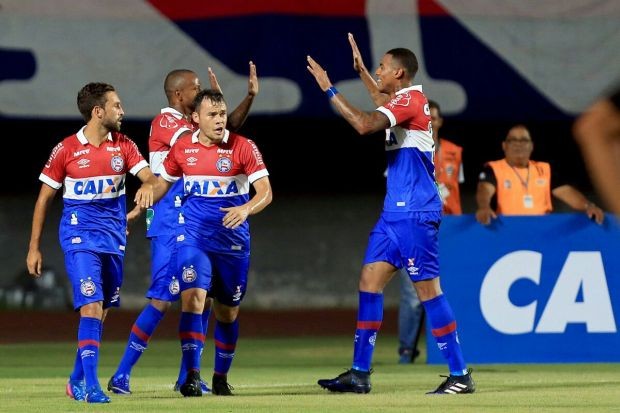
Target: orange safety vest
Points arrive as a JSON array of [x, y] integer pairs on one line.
[[447, 166], [522, 191]]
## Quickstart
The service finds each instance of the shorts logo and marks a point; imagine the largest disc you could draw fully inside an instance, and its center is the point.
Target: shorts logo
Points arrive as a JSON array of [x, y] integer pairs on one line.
[[223, 164], [189, 275], [116, 296], [173, 287], [237, 295], [411, 268], [88, 287], [117, 163]]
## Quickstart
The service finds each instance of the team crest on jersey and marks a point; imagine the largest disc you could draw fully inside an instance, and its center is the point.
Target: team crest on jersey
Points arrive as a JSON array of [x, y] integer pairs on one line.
[[400, 100], [117, 163], [223, 164], [507, 184], [189, 275], [173, 287], [88, 287], [168, 122]]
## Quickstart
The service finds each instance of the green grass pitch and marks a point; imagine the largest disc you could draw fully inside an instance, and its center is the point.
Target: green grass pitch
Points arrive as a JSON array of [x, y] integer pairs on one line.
[[280, 374]]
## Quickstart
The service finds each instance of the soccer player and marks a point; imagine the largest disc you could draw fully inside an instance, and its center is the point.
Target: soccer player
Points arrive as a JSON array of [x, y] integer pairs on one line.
[[213, 242], [406, 234], [181, 87], [91, 164]]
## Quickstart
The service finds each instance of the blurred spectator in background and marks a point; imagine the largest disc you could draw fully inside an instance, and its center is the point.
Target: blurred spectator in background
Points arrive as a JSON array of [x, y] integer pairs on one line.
[[449, 174], [597, 131], [517, 185]]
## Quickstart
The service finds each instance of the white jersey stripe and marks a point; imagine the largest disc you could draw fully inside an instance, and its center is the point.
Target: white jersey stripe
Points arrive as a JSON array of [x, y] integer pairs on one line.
[[156, 159], [138, 167], [257, 175], [49, 181], [389, 114]]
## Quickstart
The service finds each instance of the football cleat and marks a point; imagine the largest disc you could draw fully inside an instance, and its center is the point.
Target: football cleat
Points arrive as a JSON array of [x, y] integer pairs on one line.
[[220, 386], [456, 385], [203, 386], [191, 387], [352, 381], [76, 389], [119, 384], [94, 394]]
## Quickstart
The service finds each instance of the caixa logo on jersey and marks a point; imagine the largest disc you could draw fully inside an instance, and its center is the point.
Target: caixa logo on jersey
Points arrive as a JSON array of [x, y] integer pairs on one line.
[[579, 295], [96, 186], [211, 187]]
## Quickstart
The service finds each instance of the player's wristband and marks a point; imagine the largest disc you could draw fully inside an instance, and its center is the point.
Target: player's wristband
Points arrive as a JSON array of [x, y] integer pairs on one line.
[[331, 92]]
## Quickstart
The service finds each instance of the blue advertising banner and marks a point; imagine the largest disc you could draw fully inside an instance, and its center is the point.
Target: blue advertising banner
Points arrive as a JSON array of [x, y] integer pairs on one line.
[[542, 289]]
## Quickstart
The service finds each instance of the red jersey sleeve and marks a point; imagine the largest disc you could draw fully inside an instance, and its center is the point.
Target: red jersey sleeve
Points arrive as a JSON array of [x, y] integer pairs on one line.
[[133, 157], [252, 159], [54, 171]]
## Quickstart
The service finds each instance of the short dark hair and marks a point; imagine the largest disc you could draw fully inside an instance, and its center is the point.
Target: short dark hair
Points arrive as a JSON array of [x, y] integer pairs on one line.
[[407, 60], [213, 95], [91, 95], [434, 105], [174, 79]]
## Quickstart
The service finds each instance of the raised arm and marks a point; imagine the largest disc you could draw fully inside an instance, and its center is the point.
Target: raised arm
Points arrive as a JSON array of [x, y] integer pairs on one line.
[[237, 117], [34, 260], [358, 65], [364, 123]]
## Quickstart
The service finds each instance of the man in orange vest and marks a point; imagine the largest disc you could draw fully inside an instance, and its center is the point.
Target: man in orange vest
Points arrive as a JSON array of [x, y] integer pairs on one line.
[[448, 165], [449, 174], [517, 185]]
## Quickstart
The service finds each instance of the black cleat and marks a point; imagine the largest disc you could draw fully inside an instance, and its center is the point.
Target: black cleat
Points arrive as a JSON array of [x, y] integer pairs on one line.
[[456, 385], [353, 381], [220, 387], [191, 387]]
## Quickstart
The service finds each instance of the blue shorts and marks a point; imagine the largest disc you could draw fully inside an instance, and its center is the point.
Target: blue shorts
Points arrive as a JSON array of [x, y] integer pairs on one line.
[[94, 277], [224, 276], [164, 270], [409, 240]]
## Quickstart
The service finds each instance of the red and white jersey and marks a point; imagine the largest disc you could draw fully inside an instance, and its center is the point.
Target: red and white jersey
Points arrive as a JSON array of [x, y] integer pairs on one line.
[[166, 128], [409, 148], [214, 177], [94, 213]]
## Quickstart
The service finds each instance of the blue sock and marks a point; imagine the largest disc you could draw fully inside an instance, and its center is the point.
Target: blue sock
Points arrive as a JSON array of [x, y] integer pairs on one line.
[[78, 370], [225, 337], [192, 340], [443, 328], [205, 327], [141, 332], [369, 318], [89, 333]]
